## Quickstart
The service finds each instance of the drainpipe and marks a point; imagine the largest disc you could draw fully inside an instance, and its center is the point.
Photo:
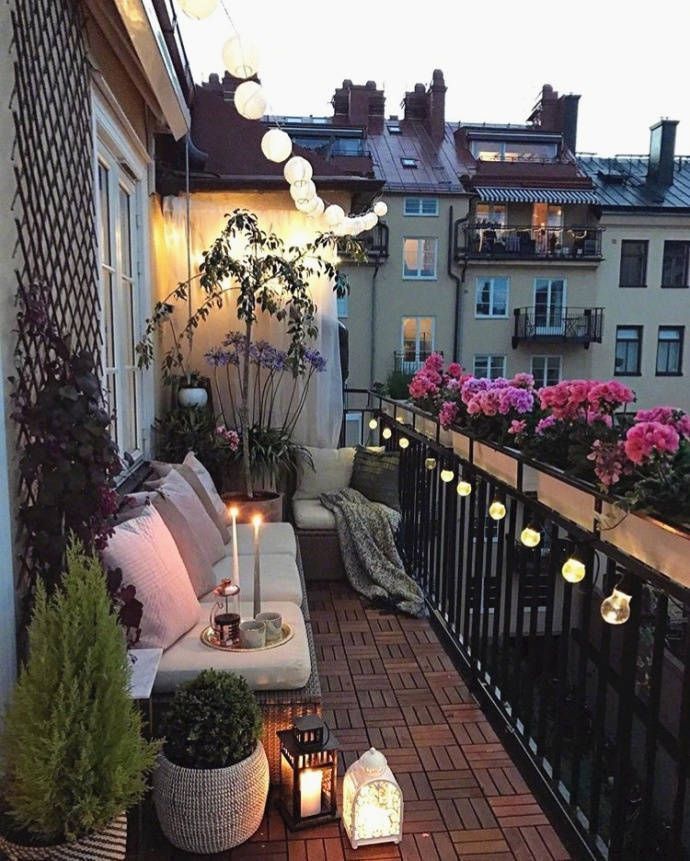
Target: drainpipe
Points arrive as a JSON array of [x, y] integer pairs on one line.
[[459, 280], [372, 364]]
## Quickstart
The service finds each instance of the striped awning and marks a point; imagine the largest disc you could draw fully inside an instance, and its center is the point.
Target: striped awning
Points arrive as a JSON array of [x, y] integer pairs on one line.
[[495, 194]]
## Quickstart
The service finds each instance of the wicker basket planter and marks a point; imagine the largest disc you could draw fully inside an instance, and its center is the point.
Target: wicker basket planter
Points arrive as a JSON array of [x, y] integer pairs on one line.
[[111, 843], [211, 810]]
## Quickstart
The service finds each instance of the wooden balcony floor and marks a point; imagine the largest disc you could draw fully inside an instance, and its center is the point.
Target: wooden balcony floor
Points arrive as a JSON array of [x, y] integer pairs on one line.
[[388, 682]]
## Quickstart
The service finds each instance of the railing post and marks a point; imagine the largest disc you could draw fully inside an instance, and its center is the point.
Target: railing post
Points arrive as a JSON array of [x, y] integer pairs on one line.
[[516, 334]]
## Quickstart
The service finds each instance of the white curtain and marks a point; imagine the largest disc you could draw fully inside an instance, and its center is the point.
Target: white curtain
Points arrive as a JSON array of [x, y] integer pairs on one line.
[[319, 423]]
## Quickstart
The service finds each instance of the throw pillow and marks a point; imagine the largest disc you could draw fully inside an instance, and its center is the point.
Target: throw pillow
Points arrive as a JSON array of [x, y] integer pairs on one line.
[[332, 471], [376, 476], [145, 551], [204, 477]]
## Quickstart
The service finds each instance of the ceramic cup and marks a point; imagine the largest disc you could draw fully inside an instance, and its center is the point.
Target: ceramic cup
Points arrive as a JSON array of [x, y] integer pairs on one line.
[[274, 626], [252, 635]]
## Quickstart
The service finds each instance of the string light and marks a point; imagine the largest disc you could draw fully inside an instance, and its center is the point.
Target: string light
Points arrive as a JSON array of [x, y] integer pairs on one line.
[[447, 475], [403, 442], [573, 569], [615, 610], [386, 433], [464, 488], [276, 145], [250, 100], [373, 424], [430, 463], [241, 57], [497, 510], [530, 536]]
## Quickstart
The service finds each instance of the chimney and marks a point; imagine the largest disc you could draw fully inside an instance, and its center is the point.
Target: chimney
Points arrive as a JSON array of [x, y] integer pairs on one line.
[[558, 114], [569, 106], [414, 103], [428, 106], [662, 150], [359, 104]]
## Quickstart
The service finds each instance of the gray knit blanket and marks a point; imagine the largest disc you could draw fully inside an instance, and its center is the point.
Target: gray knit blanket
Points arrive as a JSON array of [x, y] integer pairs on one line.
[[366, 531]]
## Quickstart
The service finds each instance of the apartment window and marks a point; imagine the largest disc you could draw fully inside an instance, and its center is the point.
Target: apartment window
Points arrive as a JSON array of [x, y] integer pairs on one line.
[[421, 206], [491, 150], [633, 263], [495, 214], [490, 366], [343, 306], [491, 298], [408, 162], [546, 370], [120, 204], [628, 350], [419, 258], [669, 351], [674, 272], [417, 339]]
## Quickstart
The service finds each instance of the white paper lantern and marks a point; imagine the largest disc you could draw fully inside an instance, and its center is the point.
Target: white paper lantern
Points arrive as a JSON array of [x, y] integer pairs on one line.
[[241, 57], [198, 9], [380, 208], [318, 208], [303, 192], [334, 214], [372, 802], [370, 220], [297, 169], [250, 100], [276, 145], [309, 207]]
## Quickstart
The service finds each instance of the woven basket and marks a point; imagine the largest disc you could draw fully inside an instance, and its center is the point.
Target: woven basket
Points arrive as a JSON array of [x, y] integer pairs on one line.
[[211, 810], [111, 844]]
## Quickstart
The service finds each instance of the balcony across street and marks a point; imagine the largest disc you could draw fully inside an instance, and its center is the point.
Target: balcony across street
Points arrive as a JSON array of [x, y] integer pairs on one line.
[[557, 244]]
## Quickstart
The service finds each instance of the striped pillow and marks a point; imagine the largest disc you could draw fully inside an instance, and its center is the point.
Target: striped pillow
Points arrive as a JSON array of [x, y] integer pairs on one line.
[[375, 475]]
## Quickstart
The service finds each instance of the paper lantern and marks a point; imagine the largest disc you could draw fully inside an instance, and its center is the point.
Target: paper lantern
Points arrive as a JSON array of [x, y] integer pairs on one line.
[[334, 214], [308, 773], [241, 57], [318, 208], [370, 220], [380, 208], [276, 145], [372, 802], [308, 206], [616, 608], [297, 169], [303, 191], [198, 9], [250, 100]]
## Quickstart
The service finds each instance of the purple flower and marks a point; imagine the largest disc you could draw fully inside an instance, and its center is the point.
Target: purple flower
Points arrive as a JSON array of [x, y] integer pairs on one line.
[[217, 357], [315, 360]]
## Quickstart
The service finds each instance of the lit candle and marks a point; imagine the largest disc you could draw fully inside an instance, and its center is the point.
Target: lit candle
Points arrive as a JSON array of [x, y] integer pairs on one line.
[[257, 566], [310, 792], [234, 511]]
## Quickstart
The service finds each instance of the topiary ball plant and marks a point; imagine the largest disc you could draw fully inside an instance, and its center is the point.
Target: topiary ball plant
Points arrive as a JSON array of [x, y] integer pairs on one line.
[[71, 752], [214, 721]]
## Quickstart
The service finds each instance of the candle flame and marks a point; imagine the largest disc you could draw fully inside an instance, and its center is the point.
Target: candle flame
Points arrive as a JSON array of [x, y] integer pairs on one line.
[[257, 520], [234, 511]]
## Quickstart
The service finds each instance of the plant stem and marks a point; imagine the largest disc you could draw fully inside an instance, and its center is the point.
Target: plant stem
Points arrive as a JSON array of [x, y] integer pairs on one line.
[[244, 414]]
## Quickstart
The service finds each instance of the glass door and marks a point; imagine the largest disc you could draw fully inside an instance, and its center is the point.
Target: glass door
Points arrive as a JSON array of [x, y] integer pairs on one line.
[[549, 306]]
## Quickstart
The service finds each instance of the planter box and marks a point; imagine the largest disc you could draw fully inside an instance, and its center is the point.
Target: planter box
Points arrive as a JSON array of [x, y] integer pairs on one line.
[[652, 541], [499, 464], [529, 473], [387, 409], [404, 416], [427, 426], [574, 504], [461, 444], [445, 437]]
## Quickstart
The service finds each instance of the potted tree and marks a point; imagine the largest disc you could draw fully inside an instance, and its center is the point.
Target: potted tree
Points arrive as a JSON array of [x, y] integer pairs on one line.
[[253, 272], [211, 784], [72, 756]]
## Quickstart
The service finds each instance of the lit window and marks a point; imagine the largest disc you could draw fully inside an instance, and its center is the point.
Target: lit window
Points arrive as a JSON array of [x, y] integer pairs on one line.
[[421, 206], [419, 259], [546, 370], [408, 162], [669, 351], [493, 150], [628, 350], [491, 297], [417, 337], [494, 214], [490, 366]]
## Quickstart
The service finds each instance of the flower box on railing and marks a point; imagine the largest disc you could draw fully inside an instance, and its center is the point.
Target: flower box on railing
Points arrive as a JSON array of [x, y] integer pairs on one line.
[[498, 463], [387, 408], [445, 437], [529, 473], [461, 444], [659, 545], [426, 425], [404, 415], [572, 502]]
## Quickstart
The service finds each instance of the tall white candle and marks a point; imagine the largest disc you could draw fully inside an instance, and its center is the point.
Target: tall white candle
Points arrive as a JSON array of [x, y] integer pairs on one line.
[[310, 792], [235, 550], [257, 566]]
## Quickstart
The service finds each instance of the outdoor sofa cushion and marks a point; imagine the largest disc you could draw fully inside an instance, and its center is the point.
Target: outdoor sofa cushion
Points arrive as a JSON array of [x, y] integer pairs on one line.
[[332, 471], [280, 580], [310, 514], [145, 551], [275, 538], [285, 667]]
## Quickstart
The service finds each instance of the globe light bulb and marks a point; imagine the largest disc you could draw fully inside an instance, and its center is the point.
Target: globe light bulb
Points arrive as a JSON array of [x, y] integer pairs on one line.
[[386, 433], [430, 463], [447, 475], [373, 424], [250, 100], [530, 536], [403, 442], [380, 208], [296, 169], [573, 570], [464, 488], [276, 145], [241, 59], [615, 610], [497, 510], [198, 9]]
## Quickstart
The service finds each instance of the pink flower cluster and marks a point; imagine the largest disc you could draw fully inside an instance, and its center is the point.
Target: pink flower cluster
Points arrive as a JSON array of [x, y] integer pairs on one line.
[[676, 418], [610, 461], [448, 414], [646, 439], [591, 400], [432, 386], [501, 397], [229, 437]]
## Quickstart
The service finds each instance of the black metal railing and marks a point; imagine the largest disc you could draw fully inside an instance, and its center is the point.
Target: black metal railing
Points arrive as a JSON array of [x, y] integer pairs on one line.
[[598, 715], [375, 243], [410, 361], [578, 325], [493, 241]]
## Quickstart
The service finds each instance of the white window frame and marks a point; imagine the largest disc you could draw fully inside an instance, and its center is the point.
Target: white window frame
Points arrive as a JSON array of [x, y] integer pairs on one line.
[[419, 277], [414, 206], [547, 359], [479, 280], [116, 144], [417, 317], [490, 358]]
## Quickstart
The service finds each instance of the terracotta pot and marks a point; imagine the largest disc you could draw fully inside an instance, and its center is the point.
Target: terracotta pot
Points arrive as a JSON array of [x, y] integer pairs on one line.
[[110, 843], [192, 397], [267, 503]]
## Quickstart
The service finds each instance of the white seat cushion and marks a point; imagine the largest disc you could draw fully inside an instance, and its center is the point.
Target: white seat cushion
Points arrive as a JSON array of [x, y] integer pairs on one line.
[[275, 538], [286, 667], [311, 514], [332, 471], [280, 580]]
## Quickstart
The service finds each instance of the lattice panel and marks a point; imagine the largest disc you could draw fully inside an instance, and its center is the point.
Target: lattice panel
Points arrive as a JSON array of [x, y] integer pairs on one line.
[[53, 166]]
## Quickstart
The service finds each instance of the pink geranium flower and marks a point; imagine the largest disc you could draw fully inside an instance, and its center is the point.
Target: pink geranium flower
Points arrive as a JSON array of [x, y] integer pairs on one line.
[[645, 440]]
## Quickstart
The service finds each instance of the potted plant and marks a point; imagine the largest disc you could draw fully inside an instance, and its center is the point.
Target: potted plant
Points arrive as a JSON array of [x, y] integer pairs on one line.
[[72, 756], [191, 391], [211, 784]]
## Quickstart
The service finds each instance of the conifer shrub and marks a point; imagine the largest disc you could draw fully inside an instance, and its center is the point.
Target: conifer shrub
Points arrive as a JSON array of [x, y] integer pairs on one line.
[[71, 753]]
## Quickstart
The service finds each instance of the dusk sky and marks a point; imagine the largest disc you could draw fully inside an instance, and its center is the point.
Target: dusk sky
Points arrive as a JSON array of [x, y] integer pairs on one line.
[[630, 65]]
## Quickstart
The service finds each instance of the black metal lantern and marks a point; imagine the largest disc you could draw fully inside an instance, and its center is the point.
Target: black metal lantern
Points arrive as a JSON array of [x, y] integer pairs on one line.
[[308, 773]]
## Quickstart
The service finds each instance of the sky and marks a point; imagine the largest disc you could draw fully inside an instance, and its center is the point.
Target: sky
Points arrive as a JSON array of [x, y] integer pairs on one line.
[[628, 61]]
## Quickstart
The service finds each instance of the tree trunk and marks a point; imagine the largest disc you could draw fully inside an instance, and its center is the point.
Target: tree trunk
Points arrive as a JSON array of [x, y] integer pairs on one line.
[[244, 415]]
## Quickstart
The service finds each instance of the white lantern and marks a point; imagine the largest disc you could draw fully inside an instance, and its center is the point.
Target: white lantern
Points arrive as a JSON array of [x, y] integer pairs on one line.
[[303, 192], [380, 208], [241, 57], [334, 214], [297, 169], [198, 9], [250, 100], [317, 208], [372, 802], [370, 220], [276, 145]]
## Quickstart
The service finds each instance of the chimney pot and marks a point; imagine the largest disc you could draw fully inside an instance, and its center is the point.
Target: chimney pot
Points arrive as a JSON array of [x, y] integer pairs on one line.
[[662, 151]]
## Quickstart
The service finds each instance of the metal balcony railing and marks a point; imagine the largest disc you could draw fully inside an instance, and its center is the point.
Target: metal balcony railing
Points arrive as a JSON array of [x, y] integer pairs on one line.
[[409, 361], [375, 244], [494, 242], [577, 325]]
